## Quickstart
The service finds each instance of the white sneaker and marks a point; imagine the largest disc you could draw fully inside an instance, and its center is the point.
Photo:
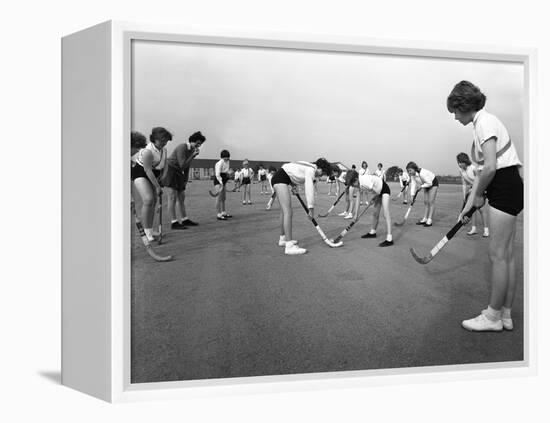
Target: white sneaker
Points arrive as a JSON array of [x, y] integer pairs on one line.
[[482, 323], [349, 216], [344, 213], [282, 242], [150, 238], [292, 249], [472, 231], [507, 323], [485, 232]]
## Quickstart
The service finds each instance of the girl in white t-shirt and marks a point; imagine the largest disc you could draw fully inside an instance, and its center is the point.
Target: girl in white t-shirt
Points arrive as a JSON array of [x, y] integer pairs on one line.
[[362, 172], [498, 176], [146, 169], [424, 179], [468, 173], [221, 176], [262, 179], [286, 179], [246, 181]]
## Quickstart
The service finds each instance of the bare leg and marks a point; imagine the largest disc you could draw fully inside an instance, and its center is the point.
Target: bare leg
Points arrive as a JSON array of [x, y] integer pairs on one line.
[[503, 227], [148, 198], [432, 194], [181, 204], [172, 200], [283, 196], [386, 208]]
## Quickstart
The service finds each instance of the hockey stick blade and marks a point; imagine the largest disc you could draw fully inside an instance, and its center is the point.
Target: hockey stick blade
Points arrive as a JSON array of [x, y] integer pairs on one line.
[[421, 260], [155, 256], [213, 194]]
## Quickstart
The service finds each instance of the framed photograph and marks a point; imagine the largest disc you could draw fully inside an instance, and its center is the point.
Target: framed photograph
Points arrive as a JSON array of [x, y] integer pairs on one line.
[[266, 212]]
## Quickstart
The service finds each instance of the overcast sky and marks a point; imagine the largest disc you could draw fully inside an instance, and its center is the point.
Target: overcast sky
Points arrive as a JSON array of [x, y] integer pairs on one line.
[[274, 104]]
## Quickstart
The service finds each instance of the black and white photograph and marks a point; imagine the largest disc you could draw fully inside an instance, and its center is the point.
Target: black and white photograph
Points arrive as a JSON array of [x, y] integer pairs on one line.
[[301, 211]]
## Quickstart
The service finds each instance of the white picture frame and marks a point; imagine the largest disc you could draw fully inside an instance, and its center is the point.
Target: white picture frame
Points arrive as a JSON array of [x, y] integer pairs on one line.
[[96, 258]]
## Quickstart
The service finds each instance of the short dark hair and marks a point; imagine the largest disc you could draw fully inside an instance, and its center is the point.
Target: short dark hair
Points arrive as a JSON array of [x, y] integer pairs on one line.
[[160, 133], [465, 97], [324, 165], [364, 163], [413, 166], [225, 154], [380, 164], [197, 137], [138, 140], [272, 169], [463, 158]]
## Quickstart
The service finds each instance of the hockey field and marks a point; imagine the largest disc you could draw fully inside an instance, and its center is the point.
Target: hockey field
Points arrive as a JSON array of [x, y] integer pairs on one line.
[[231, 304]]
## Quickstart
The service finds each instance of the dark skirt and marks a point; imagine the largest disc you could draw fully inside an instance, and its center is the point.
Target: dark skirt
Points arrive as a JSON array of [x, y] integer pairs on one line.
[[281, 177], [246, 181], [225, 178], [173, 178], [385, 188], [138, 171], [263, 178], [505, 192]]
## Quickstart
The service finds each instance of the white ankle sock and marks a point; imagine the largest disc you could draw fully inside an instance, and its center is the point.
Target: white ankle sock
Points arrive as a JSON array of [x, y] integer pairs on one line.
[[493, 314]]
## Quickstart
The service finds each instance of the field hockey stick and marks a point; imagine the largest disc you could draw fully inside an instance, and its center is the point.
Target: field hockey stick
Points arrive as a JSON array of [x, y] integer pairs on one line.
[[408, 210], [323, 236], [441, 244], [144, 239], [333, 205], [160, 219], [270, 202], [400, 193], [353, 222]]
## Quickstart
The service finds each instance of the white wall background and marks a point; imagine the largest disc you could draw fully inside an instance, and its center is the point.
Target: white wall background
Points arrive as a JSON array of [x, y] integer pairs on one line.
[[30, 212]]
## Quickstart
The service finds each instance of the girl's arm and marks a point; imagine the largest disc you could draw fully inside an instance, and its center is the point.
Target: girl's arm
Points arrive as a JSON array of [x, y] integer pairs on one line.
[[309, 189], [217, 170], [147, 160], [487, 174], [463, 187]]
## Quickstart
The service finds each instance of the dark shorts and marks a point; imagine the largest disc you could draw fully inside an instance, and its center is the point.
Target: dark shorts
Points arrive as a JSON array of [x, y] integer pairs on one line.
[[263, 178], [246, 181], [505, 192], [385, 189], [225, 178], [281, 177], [435, 183], [139, 172], [173, 178]]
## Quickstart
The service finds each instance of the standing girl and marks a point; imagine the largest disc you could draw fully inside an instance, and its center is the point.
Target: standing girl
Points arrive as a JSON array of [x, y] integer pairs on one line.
[[221, 172], [291, 175], [498, 175], [426, 180], [362, 172], [246, 180], [468, 172], [262, 179], [148, 163]]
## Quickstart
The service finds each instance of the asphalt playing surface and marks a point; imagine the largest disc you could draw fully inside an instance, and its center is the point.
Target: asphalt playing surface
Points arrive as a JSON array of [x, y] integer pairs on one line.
[[232, 304]]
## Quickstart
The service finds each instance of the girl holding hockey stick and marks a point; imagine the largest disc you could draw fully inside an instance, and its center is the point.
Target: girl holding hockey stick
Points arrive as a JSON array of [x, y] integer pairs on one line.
[[221, 172], [147, 166], [404, 181], [498, 175], [284, 181], [375, 185], [246, 181], [426, 180], [468, 173]]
